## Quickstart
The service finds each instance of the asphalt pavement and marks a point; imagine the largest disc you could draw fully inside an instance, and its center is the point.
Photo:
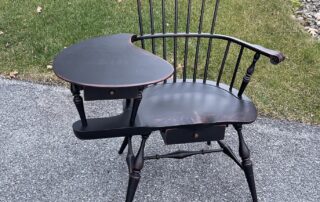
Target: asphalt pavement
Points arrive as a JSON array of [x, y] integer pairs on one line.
[[41, 159]]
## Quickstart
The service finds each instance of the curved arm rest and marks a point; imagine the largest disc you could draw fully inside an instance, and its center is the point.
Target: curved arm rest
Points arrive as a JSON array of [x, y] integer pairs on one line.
[[275, 56]]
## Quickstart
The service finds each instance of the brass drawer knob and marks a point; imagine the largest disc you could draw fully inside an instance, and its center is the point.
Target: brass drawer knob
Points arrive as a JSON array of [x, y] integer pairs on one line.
[[111, 92]]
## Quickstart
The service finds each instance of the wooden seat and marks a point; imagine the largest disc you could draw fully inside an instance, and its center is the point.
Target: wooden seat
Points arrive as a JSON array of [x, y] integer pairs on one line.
[[179, 104]]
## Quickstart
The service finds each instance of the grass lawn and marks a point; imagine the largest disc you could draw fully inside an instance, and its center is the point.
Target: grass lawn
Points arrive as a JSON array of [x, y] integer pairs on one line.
[[290, 90]]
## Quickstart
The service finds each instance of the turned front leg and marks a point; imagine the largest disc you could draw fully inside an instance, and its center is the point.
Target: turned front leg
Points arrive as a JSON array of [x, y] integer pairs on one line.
[[78, 101], [247, 165], [135, 164]]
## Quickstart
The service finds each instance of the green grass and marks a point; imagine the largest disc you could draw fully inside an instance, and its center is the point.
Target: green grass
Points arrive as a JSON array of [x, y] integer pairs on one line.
[[289, 90], [296, 4]]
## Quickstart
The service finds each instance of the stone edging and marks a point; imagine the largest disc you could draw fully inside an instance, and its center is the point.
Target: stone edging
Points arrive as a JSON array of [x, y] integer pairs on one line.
[[309, 16]]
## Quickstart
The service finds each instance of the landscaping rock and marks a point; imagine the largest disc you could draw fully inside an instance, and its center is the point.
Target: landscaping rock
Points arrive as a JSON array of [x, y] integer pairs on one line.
[[309, 16]]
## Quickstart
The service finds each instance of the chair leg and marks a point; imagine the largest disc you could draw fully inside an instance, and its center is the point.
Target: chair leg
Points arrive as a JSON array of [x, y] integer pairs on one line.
[[135, 165], [244, 153], [134, 179], [123, 145]]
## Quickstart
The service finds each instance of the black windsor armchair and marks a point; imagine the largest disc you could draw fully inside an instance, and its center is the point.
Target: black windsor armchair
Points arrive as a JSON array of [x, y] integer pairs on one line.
[[192, 105], [189, 107]]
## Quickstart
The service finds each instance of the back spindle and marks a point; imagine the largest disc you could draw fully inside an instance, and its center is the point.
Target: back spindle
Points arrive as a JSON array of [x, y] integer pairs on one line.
[[152, 26], [185, 64], [175, 44], [140, 22], [226, 52], [236, 68], [214, 19], [246, 78], [215, 14], [195, 68], [164, 41]]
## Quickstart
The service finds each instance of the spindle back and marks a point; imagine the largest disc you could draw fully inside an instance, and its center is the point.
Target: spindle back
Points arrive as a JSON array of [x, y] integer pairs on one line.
[[183, 33]]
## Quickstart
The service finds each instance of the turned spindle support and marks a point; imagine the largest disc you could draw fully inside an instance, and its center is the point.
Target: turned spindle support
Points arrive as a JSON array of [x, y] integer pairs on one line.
[[135, 106], [135, 165], [78, 101], [247, 166], [246, 78]]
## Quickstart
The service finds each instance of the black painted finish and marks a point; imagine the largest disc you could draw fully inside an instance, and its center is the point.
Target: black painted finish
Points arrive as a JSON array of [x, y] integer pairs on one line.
[[246, 78], [247, 165], [193, 134], [174, 105], [123, 145], [275, 57], [78, 101], [92, 93], [178, 104], [181, 154], [228, 151], [135, 165], [110, 62], [185, 110], [117, 126]]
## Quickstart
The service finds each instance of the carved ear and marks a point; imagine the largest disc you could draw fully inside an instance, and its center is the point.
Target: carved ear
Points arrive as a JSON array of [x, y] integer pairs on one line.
[[275, 56], [276, 59]]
